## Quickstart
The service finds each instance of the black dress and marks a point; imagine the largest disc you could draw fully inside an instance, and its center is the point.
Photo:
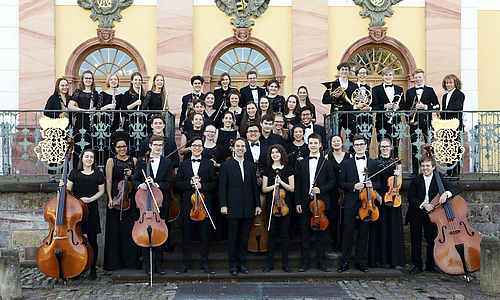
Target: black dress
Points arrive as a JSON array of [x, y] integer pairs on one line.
[[386, 246], [105, 99], [54, 103], [216, 152], [101, 141], [88, 186], [224, 140], [277, 103], [298, 151], [82, 130], [152, 101], [120, 250], [334, 212], [135, 124]]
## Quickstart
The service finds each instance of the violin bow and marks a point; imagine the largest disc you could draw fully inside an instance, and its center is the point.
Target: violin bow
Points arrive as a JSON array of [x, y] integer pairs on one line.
[[182, 146], [272, 201], [397, 161], [203, 202], [149, 187]]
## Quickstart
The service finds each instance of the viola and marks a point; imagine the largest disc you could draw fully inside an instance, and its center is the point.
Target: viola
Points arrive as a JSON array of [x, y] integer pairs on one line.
[[368, 211], [150, 229], [121, 201], [257, 242], [280, 208], [392, 197], [198, 212], [65, 252], [318, 220]]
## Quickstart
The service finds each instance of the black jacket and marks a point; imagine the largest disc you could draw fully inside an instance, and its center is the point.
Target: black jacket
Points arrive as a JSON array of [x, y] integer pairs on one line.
[[379, 99], [456, 103], [327, 99], [349, 177], [246, 95], [428, 98], [185, 100], [169, 147]]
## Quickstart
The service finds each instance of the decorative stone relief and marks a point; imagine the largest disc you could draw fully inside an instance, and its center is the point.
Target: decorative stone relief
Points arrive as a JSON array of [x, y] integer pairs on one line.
[[241, 35], [242, 10], [377, 10], [106, 11], [377, 34], [106, 36]]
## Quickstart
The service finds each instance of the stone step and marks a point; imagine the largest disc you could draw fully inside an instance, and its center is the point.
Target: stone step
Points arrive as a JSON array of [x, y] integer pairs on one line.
[[222, 274]]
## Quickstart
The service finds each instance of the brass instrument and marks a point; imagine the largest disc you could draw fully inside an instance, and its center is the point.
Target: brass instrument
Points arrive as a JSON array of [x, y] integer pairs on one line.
[[416, 101], [361, 96], [390, 112], [339, 94]]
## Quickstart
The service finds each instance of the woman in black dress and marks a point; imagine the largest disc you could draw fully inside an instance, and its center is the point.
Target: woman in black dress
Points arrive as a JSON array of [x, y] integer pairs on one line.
[[57, 102], [234, 101], [132, 100], [120, 251], [222, 93], [197, 121], [386, 247], [156, 99], [265, 107], [337, 156], [83, 99], [210, 112], [292, 111], [226, 134], [87, 183], [109, 99], [212, 150], [250, 116], [304, 100], [278, 173], [297, 149], [276, 101]]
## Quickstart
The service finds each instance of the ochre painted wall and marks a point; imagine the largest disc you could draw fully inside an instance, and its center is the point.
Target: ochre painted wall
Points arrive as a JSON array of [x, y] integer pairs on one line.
[[137, 27], [488, 63]]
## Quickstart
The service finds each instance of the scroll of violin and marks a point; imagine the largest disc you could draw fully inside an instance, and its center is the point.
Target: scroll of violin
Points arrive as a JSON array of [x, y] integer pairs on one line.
[[392, 197], [368, 211], [65, 252], [150, 229]]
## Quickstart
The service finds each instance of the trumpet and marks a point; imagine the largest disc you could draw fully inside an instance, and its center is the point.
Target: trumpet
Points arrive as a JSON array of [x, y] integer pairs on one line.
[[416, 101], [361, 96], [390, 112]]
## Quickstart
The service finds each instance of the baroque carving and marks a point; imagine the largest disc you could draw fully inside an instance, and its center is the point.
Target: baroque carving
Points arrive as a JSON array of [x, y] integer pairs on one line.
[[106, 11], [447, 148], [377, 10], [242, 10], [52, 148], [377, 34], [106, 36], [241, 35]]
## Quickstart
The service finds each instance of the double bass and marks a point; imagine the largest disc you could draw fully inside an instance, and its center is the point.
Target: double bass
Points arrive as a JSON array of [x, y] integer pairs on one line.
[[368, 211], [257, 242], [65, 252]]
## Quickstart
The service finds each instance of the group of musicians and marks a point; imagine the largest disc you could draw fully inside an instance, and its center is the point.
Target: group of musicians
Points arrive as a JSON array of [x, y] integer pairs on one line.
[[250, 150]]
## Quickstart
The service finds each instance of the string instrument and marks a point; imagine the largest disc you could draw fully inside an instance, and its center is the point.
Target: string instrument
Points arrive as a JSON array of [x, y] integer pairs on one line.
[[368, 211], [457, 246], [174, 210], [190, 112], [257, 242], [150, 229], [392, 197], [216, 193], [121, 201], [222, 107], [65, 252], [280, 208], [317, 207], [231, 145], [197, 213], [266, 86]]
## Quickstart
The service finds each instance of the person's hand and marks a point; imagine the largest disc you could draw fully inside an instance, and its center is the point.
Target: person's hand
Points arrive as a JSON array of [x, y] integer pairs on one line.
[[420, 106], [258, 210], [368, 183], [223, 210], [259, 181], [151, 181], [138, 102], [428, 207], [110, 203], [143, 186], [61, 182], [85, 199], [298, 208], [359, 186], [63, 115], [315, 190], [443, 198]]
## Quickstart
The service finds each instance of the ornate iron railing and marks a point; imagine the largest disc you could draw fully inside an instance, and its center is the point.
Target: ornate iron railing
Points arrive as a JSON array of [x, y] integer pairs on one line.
[[20, 133], [480, 137]]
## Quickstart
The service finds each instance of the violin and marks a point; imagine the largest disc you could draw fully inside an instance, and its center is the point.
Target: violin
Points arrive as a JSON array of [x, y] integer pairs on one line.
[[257, 242], [368, 211], [65, 252], [317, 207], [392, 197], [121, 201], [174, 210], [231, 145], [150, 229], [197, 213], [280, 208], [190, 111]]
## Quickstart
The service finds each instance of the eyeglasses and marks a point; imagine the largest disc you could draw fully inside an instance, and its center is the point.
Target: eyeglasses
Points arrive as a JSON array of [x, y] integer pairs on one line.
[[157, 145], [279, 122], [359, 145], [121, 147], [384, 147], [212, 132], [197, 146], [306, 114], [253, 131]]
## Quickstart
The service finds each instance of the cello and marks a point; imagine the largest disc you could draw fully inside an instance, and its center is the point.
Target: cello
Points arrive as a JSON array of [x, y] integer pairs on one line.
[[65, 252], [368, 211], [257, 242], [392, 197]]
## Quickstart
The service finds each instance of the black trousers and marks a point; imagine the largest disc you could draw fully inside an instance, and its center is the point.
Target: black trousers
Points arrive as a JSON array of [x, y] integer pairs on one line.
[[305, 226], [417, 223], [157, 251], [237, 240], [187, 233], [284, 224], [351, 223]]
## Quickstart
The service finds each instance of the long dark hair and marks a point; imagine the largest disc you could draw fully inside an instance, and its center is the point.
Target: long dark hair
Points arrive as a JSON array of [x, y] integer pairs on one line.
[[82, 84], [308, 101], [163, 91], [131, 88], [297, 105], [57, 92], [281, 150]]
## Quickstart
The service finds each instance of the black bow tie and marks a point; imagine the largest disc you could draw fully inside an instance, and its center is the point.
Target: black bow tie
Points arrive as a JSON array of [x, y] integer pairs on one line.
[[308, 126], [362, 157], [419, 88], [196, 160], [313, 157], [387, 85], [253, 88], [254, 144]]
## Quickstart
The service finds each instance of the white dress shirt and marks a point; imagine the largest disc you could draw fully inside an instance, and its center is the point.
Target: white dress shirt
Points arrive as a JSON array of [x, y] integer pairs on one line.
[[313, 164], [343, 83], [307, 131], [360, 167], [255, 95], [389, 91], [242, 170], [427, 181], [255, 149], [195, 165], [448, 97], [155, 163]]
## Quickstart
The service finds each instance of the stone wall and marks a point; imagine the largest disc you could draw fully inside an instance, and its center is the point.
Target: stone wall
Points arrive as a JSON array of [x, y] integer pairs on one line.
[[22, 223]]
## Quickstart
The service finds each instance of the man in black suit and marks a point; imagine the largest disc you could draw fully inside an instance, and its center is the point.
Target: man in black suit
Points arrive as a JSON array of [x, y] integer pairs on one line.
[[251, 92], [268, 137], [160, 177], [187, 100], [239, 200], [158, 125], [352, 180], [423, 99], [423, 188], [453, 100], [311, 180], [309, 127], [346, 121], [256, 151], [199, 171], [388, 97]]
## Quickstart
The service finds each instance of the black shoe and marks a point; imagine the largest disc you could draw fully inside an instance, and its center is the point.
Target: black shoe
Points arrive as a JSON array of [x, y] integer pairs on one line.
[[243, 269], [205, 268], [416, 270], [268, 268], [159, 270], [287, 268], [52, 180], [321, 266], [304, 267], [148, 271], [183, 269], [233, 271], [361, 267], [169, 248], [433, 269], [93, 275], [343, 267]]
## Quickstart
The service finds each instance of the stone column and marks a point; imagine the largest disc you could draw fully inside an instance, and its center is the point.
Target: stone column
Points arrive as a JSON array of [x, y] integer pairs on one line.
[[310, 49], [10, 275], [490, 265]]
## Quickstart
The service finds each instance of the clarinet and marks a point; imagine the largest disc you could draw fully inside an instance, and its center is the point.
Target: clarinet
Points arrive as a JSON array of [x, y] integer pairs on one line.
[[113, 101], [91, 107]]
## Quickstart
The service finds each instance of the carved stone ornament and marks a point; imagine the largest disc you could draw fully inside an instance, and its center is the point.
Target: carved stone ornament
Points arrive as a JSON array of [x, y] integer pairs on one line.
[[106, 11], [242, 10], [447, 148], [377, 34], [106, 36], [52, 147], [377, 10], [241, 35]]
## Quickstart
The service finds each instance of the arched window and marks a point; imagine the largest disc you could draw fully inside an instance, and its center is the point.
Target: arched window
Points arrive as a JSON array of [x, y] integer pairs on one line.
[[105, 61], [237, 61]]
